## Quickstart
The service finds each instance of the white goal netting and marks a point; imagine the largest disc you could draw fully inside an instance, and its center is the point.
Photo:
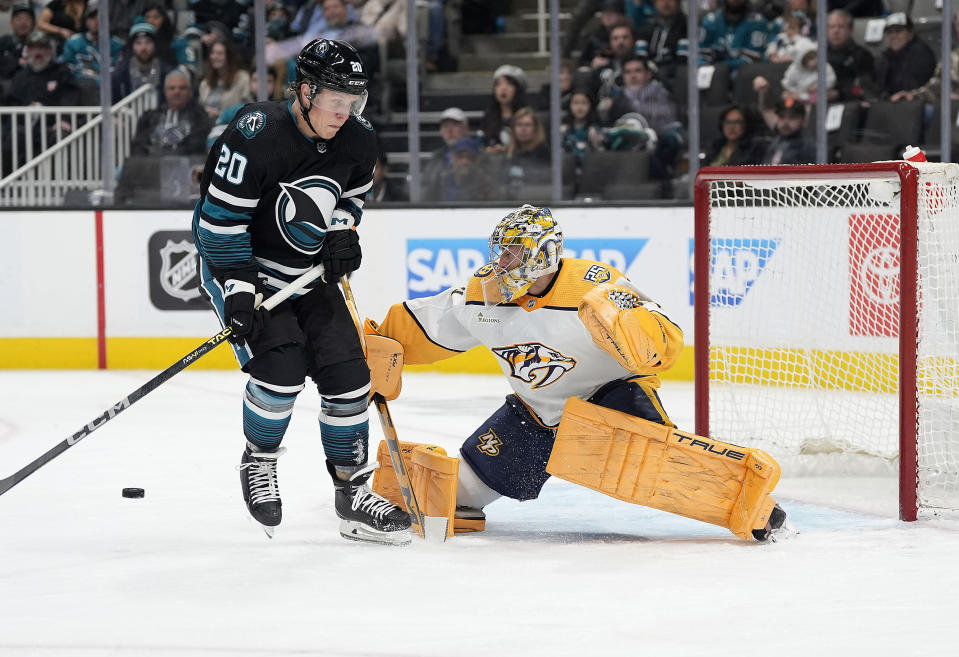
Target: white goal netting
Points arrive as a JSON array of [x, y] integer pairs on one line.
[[804, 316]]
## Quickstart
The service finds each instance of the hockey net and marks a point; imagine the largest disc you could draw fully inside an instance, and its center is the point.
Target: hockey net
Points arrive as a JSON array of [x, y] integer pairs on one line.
[[827, 326]]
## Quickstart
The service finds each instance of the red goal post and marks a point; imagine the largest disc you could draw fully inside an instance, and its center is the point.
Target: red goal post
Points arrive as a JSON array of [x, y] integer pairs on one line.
[[813, 285]]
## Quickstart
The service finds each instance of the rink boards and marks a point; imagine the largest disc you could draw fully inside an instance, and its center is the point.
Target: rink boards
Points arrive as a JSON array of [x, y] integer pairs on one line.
[[117, 289]]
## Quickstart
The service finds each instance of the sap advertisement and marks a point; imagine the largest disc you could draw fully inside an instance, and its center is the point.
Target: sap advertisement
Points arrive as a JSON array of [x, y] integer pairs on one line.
[[434, 265]]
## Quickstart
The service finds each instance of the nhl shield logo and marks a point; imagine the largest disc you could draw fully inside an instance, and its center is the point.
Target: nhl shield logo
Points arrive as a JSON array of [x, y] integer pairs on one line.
[[178, 270]]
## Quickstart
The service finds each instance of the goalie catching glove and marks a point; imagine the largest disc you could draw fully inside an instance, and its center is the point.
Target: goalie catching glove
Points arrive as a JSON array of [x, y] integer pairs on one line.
[[629, 329], [385, 359]]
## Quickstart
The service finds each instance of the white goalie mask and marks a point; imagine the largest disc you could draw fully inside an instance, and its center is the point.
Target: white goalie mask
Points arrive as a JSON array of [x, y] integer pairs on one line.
[[526, 244]]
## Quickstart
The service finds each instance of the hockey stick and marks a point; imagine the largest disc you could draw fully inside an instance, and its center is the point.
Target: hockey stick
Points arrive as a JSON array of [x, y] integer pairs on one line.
[[151, 385], [389, 430]]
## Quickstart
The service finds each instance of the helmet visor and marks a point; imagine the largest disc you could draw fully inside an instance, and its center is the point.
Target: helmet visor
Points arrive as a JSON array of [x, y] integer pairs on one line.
[[340, 102]]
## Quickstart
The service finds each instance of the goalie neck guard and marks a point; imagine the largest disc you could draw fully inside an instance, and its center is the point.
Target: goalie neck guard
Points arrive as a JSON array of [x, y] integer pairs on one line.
[[526, 244]]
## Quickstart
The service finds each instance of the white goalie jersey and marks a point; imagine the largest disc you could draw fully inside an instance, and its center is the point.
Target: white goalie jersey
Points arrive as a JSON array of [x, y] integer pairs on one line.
[[540, 342]]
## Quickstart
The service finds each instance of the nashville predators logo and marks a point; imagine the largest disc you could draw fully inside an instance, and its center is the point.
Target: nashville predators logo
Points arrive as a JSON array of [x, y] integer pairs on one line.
[[535, 363], [489, 443]]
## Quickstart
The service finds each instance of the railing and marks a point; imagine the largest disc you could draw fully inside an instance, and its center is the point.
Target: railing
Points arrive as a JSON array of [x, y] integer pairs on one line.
[[542, 26], [67, 141]]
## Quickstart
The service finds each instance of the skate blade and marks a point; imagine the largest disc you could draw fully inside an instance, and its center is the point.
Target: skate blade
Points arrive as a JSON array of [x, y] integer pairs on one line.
[[269, 531], [355, 531], [784, 532]]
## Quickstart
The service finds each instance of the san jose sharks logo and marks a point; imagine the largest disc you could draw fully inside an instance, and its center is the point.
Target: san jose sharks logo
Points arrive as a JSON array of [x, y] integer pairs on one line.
[[303, 211], [535, 363], [251, 123]]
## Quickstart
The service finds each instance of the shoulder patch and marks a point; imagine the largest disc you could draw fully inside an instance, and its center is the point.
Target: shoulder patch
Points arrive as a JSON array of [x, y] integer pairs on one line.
[[484, 271], [251, 123], [597, 274], [363, 122]]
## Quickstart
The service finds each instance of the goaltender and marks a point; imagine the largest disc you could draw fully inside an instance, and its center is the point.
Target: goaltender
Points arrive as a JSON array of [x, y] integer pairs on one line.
[[581, 347]]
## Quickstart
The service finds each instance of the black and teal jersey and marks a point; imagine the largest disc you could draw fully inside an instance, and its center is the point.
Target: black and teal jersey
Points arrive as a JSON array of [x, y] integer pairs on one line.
[[268, 194]]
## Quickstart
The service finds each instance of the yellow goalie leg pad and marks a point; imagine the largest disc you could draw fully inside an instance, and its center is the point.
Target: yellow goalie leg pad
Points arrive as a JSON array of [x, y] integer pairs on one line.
[[645, 463], [433, 475]]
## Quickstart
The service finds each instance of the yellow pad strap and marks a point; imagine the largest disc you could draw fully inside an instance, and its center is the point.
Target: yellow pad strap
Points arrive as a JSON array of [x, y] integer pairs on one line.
[[385, 359], [645, 463], [434, 477]]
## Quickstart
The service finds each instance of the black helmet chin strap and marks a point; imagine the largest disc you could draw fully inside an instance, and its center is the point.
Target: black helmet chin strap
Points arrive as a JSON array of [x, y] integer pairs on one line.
[[305, 111]]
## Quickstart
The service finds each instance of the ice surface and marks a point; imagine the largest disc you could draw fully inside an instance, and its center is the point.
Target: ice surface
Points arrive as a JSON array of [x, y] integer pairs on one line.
[[184, 571]]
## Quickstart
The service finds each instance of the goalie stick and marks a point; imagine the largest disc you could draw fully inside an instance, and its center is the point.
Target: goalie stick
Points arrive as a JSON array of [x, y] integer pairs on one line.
[[151, 385], [389, 430]]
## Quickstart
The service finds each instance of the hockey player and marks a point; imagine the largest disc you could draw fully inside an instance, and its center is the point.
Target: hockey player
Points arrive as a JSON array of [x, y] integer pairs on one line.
[[582, 348], [281, 191]]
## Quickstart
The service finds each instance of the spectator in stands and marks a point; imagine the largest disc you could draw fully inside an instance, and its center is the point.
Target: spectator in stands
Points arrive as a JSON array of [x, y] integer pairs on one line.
[[527, 155], [597, 40], [309, 18], [509, 95], [140, 65], [13, 45], [790, 41], [565, 90], [453, 126], [734, 35], [466, 179], [224, 83], [43, 81], [227, 115], [800, 82], [61, 19], [234, 15], [805, 10], [790, 145], [639, 13], [278, 21], [581, 132], [853, 63], [81, 53], [663, 40], [907, 63], [858, 8], [124, 13], [607, 66], [339, 26], [931, 91], [387, 17], [164, 36], [385, 189], [178, 127], [643, 94], [737, 143]]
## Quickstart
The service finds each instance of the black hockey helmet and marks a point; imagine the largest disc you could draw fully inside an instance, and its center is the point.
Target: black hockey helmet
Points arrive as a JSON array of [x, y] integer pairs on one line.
[[331, 65]]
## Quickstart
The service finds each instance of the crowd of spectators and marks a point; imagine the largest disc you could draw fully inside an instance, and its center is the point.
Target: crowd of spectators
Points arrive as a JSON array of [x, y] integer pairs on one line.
[[624, 79], [622, 85]]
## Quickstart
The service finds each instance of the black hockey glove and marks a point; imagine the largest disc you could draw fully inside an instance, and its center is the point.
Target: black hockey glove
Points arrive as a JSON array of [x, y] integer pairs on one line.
[[340, 254], [239, 300]]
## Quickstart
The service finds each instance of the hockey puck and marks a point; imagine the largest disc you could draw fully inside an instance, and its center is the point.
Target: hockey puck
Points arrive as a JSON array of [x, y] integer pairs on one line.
[[133, 492]]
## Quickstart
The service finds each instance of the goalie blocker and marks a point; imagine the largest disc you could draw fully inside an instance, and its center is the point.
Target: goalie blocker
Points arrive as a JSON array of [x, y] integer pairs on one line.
[[625, 457]]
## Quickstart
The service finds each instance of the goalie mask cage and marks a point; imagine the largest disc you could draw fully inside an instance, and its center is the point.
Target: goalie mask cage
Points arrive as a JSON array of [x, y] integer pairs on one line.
[[827, 320]]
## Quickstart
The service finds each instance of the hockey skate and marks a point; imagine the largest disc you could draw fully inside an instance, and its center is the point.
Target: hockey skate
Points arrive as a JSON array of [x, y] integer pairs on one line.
[[261, 490], [778, 527], [364, 515]]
